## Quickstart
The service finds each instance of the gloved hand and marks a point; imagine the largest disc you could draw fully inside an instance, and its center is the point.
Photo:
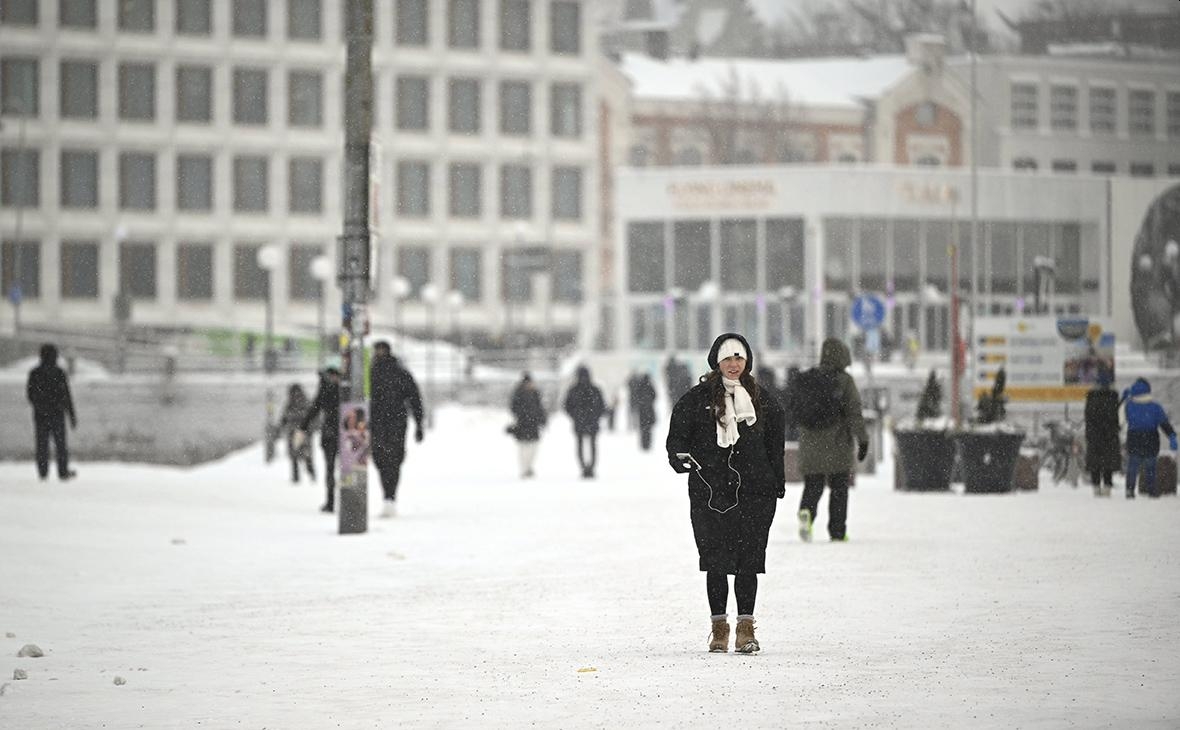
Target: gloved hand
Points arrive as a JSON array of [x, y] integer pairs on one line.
[[782, 490], [418, 435], [1172, 442], [678, 465], [862, 450]]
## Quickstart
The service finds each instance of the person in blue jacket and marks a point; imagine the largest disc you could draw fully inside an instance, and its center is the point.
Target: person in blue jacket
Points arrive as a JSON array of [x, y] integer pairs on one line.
[[1145, 419]]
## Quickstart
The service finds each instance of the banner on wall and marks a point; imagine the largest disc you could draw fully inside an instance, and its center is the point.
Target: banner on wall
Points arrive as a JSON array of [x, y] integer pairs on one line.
[[1045, 359], [355, 442]]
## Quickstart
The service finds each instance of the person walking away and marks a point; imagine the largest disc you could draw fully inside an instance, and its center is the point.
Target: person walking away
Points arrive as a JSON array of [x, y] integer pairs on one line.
[[48, 391], [727, 435], [643, 396], [326, 402], [393, 395], [585, 407], [298, 445], [530, 418], [1145, 419], [826, 405], [1103, 451]]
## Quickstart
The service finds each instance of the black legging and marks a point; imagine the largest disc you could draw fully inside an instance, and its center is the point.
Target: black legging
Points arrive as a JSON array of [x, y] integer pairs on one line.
[[745, 589]]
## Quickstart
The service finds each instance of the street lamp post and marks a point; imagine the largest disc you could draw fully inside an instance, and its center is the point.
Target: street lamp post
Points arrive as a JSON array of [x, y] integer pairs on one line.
[[322, 271], [430, 295], [1044, 268], [269, 258], [454, 302]]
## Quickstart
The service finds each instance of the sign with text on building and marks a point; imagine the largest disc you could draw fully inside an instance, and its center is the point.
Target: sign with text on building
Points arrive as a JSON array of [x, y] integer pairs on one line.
[[1045, 359]]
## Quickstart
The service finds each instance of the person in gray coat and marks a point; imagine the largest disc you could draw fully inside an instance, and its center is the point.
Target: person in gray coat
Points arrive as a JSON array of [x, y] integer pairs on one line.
[[831, 429]]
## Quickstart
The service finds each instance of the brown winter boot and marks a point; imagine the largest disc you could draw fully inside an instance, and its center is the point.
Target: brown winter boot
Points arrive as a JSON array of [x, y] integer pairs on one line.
[[719, 642], [745, 642]]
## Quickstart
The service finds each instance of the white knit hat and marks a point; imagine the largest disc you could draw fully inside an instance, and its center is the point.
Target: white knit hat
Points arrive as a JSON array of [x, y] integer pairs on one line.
[[732, 347]]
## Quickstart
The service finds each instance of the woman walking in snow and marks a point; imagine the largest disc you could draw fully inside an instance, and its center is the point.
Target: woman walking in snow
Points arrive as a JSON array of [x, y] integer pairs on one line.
[[729, 438], [298, 445], [529, 413]]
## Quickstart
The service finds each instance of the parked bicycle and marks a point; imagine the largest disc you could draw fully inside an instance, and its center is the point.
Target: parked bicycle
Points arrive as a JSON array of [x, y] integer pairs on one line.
[[1062, 450]]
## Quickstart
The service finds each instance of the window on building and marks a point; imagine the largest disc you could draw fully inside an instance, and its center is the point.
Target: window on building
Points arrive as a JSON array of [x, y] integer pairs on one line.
[[688, 156], [137, 181], [1037, 242], [1004, 263], [413, 188], [1067, 256], [194, 271], [645, 257], [785, 254], [305, 107], [565, 110], [466, 265], [251, 184], [194, 94], [79, 90], [1024, 106], [692, 260], [463, 116], [1063, 108], [463, 31], [567, 193], [194, 182], [20, 184], [1174, 169], [21, 87], [137, 269], [79, 178], [137, 16], [928, 161], [466, 190], [516, 108], [1141, 112], [938, 260], [413, 263], [137, 91], [303, 20], [249, 18], [1025, 164], [565, 28], [874, 236], [305, 185], [251, 281], [739, 255], [1103, 110], [412, 23], [250, 96], [76, 14], [23, 257], [301, 284], [1065, 166], [907, 259], [1174, 115], [516, 191], [1142, 169], [567, 276], [79, 270], [19, 12], [639, 155], [412, 103], [839, 237], [515, 25], [194, 17], [1099, 167]]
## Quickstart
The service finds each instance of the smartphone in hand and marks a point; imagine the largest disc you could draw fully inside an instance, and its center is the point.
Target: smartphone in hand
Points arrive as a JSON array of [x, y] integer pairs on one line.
[[687, 461]]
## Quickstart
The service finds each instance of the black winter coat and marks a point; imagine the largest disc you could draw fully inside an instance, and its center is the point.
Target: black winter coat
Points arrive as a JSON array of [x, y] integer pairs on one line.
[[1103, 452], [48, 390], [327, 401], [393, 395], [585, 406], [643, 396], [528, 412]]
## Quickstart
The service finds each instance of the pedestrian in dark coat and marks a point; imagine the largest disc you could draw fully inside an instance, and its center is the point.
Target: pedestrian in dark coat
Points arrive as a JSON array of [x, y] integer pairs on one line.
[[298, 445], [393, 396], [327, 402], [676, 379], [825, 453], [1145, 419], [1103, 452], [530, 418], [585, 406], [643, 396], [727, 435], [48, 391]]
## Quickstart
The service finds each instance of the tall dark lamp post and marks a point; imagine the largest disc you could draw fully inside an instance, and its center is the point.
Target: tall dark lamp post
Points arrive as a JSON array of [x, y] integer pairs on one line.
[[269, 259], [1044, 269], [321, 271]]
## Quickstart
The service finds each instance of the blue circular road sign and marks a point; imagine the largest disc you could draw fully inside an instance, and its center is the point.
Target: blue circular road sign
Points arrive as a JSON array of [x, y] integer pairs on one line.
[[868, 311]]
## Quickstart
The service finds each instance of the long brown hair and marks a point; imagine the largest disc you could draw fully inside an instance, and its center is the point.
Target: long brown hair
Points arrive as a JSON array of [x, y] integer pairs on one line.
[[717, 392]]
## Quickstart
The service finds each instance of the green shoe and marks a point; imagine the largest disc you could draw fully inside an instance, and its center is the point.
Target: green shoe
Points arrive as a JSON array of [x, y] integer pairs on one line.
[[840, 539], [805, 525]]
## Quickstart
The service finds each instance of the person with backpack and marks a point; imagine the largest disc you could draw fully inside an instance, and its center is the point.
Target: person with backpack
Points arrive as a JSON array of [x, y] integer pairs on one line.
[[727, 434], [1145, 419], [827, 409]]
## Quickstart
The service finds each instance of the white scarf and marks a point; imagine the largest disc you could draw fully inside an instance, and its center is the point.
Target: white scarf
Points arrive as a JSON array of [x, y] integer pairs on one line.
[[738, 407]]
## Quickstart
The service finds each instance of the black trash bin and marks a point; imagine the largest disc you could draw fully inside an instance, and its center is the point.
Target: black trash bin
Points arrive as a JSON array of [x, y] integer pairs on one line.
[[926, 458], [989, 460]]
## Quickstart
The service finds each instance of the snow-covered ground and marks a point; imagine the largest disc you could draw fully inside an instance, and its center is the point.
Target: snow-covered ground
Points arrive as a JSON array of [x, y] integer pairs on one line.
[[225, 599]]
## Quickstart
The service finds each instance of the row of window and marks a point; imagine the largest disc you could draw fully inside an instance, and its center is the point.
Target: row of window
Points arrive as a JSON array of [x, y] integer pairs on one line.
[[250, 19], [20, 184], [1103, 109], [1097, 167], [249, 101], [139, 266]]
